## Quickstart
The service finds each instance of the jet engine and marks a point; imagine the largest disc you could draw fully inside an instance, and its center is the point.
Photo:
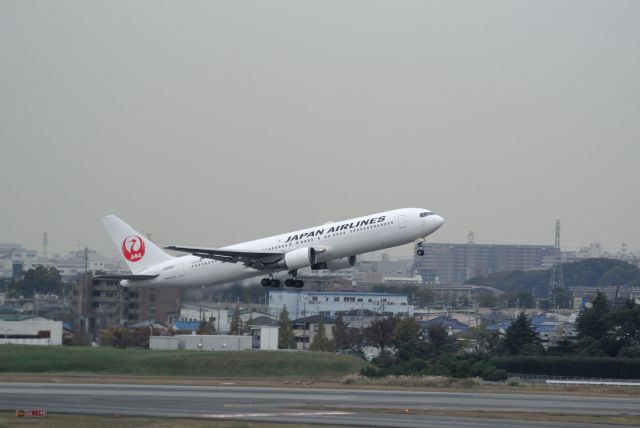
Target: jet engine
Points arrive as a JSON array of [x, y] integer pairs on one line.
[[336, 264], [300, 258]]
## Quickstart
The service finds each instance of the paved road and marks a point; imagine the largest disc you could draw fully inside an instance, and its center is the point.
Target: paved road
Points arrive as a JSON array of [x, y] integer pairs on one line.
[[331, 406]]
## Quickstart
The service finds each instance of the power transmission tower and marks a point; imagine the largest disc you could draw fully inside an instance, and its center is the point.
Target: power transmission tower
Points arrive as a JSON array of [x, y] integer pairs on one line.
[[45, 244], [556, 281], [471, 237]]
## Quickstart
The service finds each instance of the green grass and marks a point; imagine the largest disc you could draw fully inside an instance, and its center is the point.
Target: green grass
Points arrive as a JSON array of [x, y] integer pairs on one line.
[[240, 364]]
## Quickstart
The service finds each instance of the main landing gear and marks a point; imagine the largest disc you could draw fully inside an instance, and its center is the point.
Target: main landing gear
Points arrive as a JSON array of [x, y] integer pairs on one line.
[[289, 282], [270, 282], [419, 250], [294, 281]]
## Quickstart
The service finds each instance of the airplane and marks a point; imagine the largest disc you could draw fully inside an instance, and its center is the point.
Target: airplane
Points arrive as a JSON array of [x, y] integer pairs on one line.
[[332, 246]]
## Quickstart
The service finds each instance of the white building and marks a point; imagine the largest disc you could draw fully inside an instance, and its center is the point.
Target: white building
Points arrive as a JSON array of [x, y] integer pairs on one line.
[[200, 342], [329, 303], [31, 331], [264, 337]]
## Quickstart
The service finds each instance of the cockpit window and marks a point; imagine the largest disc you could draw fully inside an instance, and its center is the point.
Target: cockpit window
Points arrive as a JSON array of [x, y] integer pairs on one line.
[[426, 213]]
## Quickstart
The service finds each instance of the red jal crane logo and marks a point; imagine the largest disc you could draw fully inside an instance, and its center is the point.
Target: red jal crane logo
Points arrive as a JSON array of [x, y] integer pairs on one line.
[[133, 248]]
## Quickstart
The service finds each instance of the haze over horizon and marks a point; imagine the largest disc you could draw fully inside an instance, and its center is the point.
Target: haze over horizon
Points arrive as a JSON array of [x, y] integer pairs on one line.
[[211, 123]]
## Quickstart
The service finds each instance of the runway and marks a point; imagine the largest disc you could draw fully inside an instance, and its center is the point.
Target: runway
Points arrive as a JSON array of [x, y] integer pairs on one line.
[[317, 406]]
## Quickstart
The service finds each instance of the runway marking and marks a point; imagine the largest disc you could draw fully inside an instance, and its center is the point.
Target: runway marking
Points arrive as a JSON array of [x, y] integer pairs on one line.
[[264, 415]]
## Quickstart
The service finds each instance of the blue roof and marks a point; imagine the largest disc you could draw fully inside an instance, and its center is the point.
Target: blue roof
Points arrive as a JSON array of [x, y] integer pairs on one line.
[[498, 326], [539, 319], [445, 322], [545, 328], [186, 325]]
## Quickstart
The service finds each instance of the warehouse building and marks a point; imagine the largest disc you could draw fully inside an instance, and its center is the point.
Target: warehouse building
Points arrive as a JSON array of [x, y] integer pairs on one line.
[[30, 331]]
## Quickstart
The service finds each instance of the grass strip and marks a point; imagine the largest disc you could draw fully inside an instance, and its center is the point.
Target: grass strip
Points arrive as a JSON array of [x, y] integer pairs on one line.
[[633, 420], [247, 364]]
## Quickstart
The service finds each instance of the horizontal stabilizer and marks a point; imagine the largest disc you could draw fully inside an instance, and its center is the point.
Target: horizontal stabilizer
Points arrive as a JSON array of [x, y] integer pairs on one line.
[[129, 277]]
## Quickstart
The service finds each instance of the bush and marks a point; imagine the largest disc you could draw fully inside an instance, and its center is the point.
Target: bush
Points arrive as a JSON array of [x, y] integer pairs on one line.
[[462, 369], [630, 351], [500, 375], [488, 373], [579, 366], [477, 369], [513, 381], [438, 370], [371, 372], [412, 381]]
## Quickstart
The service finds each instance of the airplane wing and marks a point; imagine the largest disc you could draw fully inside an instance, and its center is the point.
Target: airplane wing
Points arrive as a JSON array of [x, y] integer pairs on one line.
[[253, 259], [129, 277]]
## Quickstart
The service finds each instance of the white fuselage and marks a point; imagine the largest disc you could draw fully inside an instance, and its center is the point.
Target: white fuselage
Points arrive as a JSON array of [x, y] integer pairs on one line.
[[336, 240]]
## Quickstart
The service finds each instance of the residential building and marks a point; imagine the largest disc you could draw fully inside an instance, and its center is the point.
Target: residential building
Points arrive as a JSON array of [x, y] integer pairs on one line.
[[305, 329], [455, 263], [98, 304]]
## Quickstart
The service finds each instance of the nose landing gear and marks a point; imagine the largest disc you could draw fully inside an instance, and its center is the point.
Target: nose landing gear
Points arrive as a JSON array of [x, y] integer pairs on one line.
[[419, 250]]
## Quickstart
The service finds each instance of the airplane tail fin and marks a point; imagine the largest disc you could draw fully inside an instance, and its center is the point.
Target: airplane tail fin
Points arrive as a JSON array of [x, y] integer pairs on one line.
[[136, 250]]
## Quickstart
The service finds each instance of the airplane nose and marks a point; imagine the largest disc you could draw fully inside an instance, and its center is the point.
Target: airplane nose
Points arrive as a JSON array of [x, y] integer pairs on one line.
[[437, 221]]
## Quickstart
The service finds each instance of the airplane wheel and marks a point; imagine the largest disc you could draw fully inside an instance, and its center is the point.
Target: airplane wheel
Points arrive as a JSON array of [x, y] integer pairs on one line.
[[299, 283], [275, 283], [420, 252], [289, 283], [265, 282]]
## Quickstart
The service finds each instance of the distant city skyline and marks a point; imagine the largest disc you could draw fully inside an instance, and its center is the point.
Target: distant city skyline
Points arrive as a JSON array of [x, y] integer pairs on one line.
[[400, 252], [211, 123]]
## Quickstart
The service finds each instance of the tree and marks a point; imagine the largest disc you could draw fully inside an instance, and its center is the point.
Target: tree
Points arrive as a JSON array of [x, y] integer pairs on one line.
[[486, 299], [380, 333], [624, 330], [286, 337], [486, 340], [235, 327], [594, 321], [247, 327], [340, 334], [320, 340], [410, 342], [208, 327], [41, 279], [406, 331], [123, 338], [590, 272], [521, 335], [354, 339], [422, 296], [437, 335]]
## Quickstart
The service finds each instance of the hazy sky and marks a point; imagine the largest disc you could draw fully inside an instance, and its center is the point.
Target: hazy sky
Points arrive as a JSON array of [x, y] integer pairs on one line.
[[210, 123]]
